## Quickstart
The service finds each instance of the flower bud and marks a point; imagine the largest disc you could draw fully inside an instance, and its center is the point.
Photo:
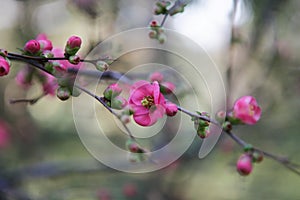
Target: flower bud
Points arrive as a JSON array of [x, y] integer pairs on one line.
[[101, 66], [73, 45], [154, 23], [3, 53], [153, 34], [45, 44], [125, 119], [118, 103], [48, 54], [244, 165], [75, 60], [257, 156], [171, 109], [227, 126], [63, 93], [76, 92], [156, 76], [132, 146], [112, 91], [4, 66], [162, 38], [167, 87], [32, 47]]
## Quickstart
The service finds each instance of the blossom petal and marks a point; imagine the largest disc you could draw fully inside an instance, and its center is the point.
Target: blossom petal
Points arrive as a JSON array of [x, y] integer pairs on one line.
[[140, 110], [143, 120]]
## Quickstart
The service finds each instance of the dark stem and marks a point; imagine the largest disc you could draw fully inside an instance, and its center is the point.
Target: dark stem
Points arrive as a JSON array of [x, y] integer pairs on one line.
[[164, 20]]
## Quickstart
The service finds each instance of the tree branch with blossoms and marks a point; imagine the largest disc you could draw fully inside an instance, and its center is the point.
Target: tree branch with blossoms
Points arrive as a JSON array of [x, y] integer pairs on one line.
[[56, 70]]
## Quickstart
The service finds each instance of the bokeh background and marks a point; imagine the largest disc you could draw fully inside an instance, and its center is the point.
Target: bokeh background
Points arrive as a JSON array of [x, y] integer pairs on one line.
[[42, 157]]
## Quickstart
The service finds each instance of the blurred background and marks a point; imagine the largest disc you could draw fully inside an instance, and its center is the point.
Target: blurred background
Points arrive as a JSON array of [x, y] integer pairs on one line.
[[42, 157]]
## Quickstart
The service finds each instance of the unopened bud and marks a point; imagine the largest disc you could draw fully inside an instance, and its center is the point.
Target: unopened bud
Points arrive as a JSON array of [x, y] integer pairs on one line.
[[101, 66], [63, 93]]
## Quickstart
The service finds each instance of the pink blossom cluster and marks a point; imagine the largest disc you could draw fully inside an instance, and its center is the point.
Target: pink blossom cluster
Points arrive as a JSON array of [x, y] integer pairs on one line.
[[42, 47]]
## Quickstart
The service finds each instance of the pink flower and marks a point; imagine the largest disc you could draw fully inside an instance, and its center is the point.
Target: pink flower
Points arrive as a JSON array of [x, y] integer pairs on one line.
[[32, 47], [147, 102], [247, 110], [23, 78], [45, 44], [244, 165], [4, 66], [156, 76], [171, 109]]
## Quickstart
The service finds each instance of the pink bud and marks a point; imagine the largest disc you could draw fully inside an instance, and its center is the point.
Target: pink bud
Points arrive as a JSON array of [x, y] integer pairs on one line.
[[118, 102], [32, 47], [129, 190], [244, 165], [133, 147], [153, 23], [75, 60], [247, 110], [171, 109], [4, 66], [45, 44], [156, 76], [112, 91], [74, 42], [167, 87]]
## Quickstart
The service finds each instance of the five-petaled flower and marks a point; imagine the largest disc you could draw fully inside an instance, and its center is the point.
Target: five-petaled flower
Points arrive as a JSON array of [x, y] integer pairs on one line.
[[247, 110], [147, 102]]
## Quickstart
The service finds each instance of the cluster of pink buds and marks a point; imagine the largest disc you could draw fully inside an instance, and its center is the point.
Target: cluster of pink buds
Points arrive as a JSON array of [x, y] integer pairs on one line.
[[112, 97], [157, 32], [245, 162], [56, 81]]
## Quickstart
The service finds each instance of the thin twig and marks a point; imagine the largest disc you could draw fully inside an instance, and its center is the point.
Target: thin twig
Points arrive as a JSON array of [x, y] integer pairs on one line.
[[30, 101]]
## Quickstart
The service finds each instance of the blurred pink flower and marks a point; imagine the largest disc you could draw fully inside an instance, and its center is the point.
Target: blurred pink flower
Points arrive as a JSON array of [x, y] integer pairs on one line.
[[156, 76], [147, 102], [247, 110], [50, 84], [23, 78]]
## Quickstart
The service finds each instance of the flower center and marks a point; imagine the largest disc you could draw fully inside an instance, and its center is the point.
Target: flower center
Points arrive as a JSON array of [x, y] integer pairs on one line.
[[147, 101], [251, 110]]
